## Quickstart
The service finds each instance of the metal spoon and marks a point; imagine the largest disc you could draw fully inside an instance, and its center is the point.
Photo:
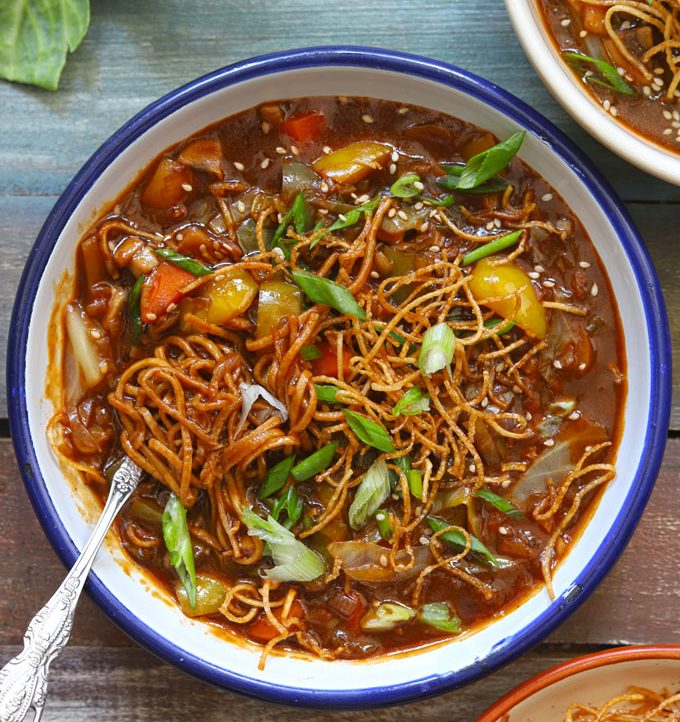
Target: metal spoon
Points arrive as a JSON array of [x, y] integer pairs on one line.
[[23, 680]]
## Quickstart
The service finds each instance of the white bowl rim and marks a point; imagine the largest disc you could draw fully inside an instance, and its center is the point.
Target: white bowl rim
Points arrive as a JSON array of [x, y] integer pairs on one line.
[[506, 104], [571, 94]]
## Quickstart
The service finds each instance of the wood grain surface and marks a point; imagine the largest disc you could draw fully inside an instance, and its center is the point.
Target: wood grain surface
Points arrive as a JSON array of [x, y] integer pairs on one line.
[[135, 52]]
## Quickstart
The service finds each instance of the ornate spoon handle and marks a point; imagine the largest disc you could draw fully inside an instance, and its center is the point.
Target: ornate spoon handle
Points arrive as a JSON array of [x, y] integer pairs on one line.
[[23, 680]]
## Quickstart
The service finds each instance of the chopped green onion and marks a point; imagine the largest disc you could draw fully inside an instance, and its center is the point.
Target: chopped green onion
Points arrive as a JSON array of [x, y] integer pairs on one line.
[[443, 202], [276, 477], [393, 335], [292, 504], [415, 483], [436, 353], [178, 543], [405, 187], [451, 182], [403, 462], [329, 293], [485, 165], [612, 80], [500, 503], [351, 218], [327, 393], [488, 249], [385, 528], [310, 353], [494, 323], [371, 493], [386, 616], [296, 213], [456, 538], [315, 463], [183, 262], [295, 561], [133, 309], [438, 615], [299, 213], [413, 402], [368, 431]]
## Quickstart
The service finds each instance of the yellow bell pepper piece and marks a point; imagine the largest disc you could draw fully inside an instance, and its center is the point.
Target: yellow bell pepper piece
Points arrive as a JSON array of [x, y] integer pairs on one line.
[[276, 300], [210, 594], [505, 288], [353, 162], [229, 297]]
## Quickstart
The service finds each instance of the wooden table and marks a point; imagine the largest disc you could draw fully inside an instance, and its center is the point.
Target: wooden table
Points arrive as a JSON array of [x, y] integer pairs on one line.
[[136, 51]]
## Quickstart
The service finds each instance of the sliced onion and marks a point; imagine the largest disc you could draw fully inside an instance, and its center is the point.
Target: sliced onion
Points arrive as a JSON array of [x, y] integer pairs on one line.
[[554, 463], [85, 351], [249, 395], [367, 561]]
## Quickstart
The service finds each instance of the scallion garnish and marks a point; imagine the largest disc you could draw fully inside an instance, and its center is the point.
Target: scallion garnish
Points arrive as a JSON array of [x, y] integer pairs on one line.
[[495, 323], [297, 214], [406, 186], [310, 353], [413, 402], [499, 503], [415, 483], [178, 543], [133, 310], [183, 262], [384, 524], [315, 463], [370, 494], [439, 616], [436, 352], [327, 393], [485, 165], [368, 431], [294, 561], [276, 477], [329, 293], [351, 218], [292, 504], [488, 249], [456, 538], [443, 202], [610, 77]]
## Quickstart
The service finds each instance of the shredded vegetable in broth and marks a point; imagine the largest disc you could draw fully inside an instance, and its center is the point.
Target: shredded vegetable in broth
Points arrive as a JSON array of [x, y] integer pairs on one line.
[[369, 362]]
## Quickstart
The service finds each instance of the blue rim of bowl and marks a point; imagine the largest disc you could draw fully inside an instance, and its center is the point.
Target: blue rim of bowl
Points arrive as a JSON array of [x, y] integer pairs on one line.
[[508, 105]]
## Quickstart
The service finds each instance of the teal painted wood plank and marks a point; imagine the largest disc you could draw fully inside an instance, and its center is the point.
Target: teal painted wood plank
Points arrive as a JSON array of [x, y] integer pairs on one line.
[[136, 51]]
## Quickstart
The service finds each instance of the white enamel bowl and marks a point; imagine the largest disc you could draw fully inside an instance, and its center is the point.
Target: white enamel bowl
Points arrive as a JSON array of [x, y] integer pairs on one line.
[[191, 645], [593, 680], [574, 97]]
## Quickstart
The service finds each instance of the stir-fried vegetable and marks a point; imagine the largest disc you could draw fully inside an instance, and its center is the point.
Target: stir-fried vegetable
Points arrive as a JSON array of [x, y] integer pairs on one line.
[[407, 186], [413, 402], [371, 493], [368, 431], [262, 630], [210, 594], [500, 503], [315, 463], [326, 361], [353, 162], [204, 154], [327, 393], [134, 315], [178, 543], [608, 78], [249, 395], [351, 218], [386, 616], [488, 249], [368, 561], [188, 264], [292, 504], [384, 524], [329, 293], [485, 165], [457, 538], [439, 616], [506, 288], [276, 300], [79, 328], [230, 294], [451, 181], [294, 561], [297, 215], [436, 352], [170, 184], [163, 287], [276, 477], [305, 126]]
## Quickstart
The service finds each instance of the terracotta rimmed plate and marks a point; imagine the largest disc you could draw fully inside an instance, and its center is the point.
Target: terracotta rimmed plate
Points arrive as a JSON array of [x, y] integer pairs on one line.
[[592, 679]]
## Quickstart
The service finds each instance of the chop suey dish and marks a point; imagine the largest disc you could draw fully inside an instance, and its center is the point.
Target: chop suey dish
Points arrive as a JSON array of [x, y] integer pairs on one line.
[[638, 704], [627, 53], [369, 361]]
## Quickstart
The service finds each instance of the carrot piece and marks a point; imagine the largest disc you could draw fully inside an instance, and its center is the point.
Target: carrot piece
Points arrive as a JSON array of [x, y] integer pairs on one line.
[[593, 19], [163, 287], [307, 126], [327, 363], [262, 630]]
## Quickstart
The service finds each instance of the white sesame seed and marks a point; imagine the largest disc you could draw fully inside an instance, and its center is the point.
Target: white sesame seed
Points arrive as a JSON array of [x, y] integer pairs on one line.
[[241, 207], [424, 540], [375, 274], [539, 269], [606, 104], [434, 249], [419, 185], [583, 33], [188, 188], [418, 206], [557, 363], [279, 252], [402, 215], [582, 367], [528, 416], [383, 560], [238, 166], [265, 127], [658, 71], [489, 226], [566, 22], [171, 307], [380, 516], [646, 90], [265, 163], [393, 168], [594, 290], [367, 118], [485, 402], [327, 149], [506, 483], [667, 114], [342, 216], [362, 199], [549, 442], [574, 415], [502, 530], [497, 222], [402, 111], [424, 227], [394, 157], [657, 83], [500, 367], [104, 367], [392, 212], [676, 115], [675, 124], [151, 316], [584, 264], [549, 284], [295, 150], [614, 110], [620, 71], [280, 150], [472, 468], [534, 275], [324, 187], [323, 211], [279, 217], [667, 131], [95, 333]]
